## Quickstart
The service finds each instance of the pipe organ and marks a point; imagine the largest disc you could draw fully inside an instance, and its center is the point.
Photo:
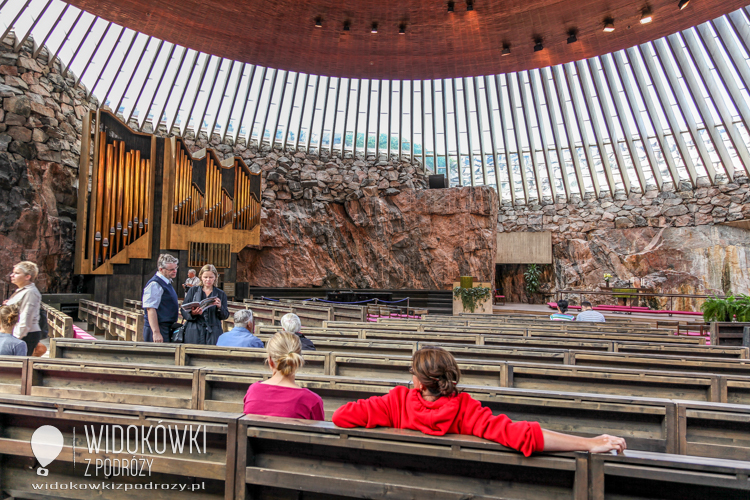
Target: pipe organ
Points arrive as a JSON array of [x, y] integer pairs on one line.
[[222, 198], [137, 190]]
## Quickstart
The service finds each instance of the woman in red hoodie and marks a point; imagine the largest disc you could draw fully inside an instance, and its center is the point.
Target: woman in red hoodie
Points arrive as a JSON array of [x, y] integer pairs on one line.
[[434, 406]]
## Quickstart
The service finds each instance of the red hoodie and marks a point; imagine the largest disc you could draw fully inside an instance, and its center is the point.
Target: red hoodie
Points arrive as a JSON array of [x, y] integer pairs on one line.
[[404, 408]]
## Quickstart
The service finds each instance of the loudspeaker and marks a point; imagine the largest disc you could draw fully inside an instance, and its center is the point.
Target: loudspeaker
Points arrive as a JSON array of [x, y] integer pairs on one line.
[[438, 181]]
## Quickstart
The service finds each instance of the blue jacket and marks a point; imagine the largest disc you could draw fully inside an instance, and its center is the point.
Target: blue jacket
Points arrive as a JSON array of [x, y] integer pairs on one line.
[[239, 337]]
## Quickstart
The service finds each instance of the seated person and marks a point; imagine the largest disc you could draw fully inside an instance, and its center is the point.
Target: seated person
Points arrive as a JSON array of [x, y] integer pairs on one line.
[[291, 323], [9, 345], [588, 314], [241, 335], [436, 407], [562, 307], [280, 396]]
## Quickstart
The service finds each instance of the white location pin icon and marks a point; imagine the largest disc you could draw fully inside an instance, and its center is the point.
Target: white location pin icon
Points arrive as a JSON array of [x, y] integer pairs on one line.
[[46, 443]]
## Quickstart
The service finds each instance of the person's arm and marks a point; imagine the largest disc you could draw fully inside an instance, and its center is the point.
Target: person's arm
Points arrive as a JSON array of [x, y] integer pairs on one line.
[[317, 411], [478, 420], [24, 315], [151, 300], [528, 437], [224, 310], [153, 321], [195, 312], [371, 412], [557, 441]]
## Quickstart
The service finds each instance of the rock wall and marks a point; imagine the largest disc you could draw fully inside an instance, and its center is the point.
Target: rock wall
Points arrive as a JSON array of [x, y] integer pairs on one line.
[[362, 223], [675, 241], [40, 130]]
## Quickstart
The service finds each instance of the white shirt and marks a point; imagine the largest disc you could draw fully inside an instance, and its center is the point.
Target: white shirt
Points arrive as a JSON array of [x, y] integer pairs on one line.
[[153, 292], [29, 300], [591, 315], [194, 281]]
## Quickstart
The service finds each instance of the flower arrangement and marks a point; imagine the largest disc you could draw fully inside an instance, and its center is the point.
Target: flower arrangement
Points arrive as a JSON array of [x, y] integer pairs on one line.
[[607, 277]]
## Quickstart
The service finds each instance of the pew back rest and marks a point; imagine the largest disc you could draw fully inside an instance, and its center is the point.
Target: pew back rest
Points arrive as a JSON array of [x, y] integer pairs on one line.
[[113, 322], [59, 324]]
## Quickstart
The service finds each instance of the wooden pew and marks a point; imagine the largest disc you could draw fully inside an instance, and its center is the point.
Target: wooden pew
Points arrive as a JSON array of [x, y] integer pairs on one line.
[[428, 326], [281, 458], [249, 359], [550, 377], [661, 362], [13, 371], [674, 349], [152, 385], [713, 430], [310, 314], [224, 390], [395, 334], [59, 324], [113, 322], [213, 468], [340, 312], [520, 330], [642, 474], [726, 333], [274, 458], [265, 313], [646, 422], [115, 351], [132, 305]]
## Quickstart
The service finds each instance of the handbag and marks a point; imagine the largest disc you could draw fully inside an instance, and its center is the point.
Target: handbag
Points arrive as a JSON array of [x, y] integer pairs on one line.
[[178, 334]]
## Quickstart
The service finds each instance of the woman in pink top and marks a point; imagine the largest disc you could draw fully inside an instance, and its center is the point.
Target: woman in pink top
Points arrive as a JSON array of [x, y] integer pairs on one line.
[[280, 396]]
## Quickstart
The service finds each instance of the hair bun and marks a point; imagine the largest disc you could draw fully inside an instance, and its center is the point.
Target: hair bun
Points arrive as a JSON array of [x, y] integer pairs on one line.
[[9, 315]]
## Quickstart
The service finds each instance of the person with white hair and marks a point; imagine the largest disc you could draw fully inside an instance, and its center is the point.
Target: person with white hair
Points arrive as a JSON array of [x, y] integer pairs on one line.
[[241, 335], [291, 323], [191, 281], [28, 300], [160, 301]]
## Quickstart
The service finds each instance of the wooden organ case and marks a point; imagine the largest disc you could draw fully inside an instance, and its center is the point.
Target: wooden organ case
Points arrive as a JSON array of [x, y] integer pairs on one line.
[[115, 202], [138, 191], [208, 201]]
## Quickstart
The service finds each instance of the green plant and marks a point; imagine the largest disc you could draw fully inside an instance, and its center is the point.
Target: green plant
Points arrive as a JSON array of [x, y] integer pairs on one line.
[[533, 276], [470, 297], [727, 309]]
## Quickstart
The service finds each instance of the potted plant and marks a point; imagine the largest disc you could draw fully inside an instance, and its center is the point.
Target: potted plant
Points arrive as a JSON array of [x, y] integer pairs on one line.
[[533, 279], [728, 309], [607, 277]]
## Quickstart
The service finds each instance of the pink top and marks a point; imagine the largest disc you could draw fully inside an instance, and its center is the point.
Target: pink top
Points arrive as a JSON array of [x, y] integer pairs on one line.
[[277, 401]]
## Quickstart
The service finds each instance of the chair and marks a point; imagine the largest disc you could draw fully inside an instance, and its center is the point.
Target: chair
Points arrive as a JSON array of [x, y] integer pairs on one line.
[[497, 298]]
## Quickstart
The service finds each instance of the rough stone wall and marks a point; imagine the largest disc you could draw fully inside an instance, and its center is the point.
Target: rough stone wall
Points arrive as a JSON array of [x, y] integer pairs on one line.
[[40, 132], [672, 239], [362, 223]]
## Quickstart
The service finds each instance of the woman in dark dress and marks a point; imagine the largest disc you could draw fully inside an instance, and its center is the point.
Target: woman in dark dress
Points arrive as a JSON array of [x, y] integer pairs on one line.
[[204, 326]]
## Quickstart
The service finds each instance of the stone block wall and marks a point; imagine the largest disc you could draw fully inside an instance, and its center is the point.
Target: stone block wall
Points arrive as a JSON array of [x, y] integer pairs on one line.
[[40, 140]]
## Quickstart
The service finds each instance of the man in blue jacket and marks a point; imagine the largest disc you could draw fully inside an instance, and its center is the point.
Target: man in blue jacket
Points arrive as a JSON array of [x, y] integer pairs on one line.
[[241, 335]]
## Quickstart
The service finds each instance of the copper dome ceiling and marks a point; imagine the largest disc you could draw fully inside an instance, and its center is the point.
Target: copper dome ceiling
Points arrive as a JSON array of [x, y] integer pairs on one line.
[[436, 44]]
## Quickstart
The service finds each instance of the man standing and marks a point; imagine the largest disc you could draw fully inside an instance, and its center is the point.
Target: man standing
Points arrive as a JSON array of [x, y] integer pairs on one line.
[[588, 314], [241, 335], [191, 281], [160, 301]]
